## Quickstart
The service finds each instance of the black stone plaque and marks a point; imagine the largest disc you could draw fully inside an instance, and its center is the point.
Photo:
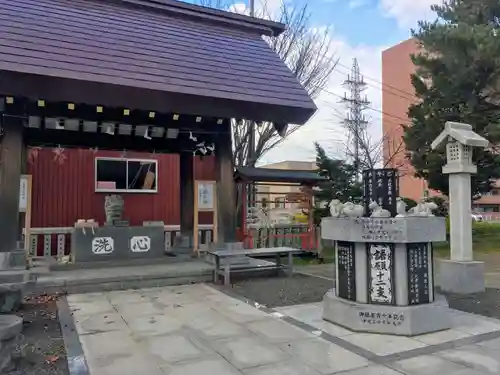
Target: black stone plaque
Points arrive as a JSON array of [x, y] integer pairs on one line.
[[381, 186], [346, 269], [417, 258], [380, 257]]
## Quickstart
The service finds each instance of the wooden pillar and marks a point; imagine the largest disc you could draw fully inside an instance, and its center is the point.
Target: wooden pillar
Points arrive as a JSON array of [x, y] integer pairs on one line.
[[226, 189], [11, 151], [24, 170], [187, 196]]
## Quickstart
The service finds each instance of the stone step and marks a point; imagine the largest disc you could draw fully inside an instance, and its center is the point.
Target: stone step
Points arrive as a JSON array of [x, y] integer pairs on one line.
[[13, 259], [167, 259], [14, 276], [121, 278]]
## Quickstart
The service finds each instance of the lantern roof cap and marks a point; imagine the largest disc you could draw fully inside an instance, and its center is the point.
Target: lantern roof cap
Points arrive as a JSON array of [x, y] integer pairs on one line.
[[460, 132]]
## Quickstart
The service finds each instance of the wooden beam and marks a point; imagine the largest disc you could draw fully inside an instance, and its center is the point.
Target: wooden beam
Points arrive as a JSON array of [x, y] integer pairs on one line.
[[226, 188], [85, 112], [186, 168], [65, 138], [11, 151], [56, 89]]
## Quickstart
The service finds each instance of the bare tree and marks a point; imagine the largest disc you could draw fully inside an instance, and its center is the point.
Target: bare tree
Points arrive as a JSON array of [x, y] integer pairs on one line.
[[386, 152], [306, 51]]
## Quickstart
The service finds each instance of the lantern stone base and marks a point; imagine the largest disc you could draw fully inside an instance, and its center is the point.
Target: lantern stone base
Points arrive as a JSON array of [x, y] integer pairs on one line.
[[459, 277], [394, 320]]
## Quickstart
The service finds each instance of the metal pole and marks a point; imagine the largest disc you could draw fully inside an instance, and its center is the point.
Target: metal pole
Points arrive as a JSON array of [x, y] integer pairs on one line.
[[252, 8]]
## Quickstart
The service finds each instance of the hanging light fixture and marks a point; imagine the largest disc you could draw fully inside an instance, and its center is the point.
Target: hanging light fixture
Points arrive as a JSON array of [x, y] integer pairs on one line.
[[110, 129]]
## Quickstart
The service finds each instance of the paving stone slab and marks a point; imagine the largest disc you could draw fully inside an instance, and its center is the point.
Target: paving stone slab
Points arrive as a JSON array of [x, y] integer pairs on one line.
[[324, 356]]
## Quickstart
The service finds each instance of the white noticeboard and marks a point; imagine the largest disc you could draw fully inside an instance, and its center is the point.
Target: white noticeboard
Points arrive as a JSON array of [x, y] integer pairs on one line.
[[25, 184], [206, 196], [23, 194], [205, 200]]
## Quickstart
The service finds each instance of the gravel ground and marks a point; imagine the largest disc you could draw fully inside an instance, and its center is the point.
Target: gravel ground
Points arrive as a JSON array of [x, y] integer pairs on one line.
[[42, 348], [283, 291], [299, 289], [487, 303]]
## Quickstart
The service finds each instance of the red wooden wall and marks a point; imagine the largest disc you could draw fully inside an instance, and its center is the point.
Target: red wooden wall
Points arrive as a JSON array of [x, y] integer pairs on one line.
[[64, 191]]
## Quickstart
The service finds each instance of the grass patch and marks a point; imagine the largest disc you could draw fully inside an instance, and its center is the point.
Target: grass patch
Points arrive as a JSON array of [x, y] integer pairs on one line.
[[485, 239], [307, 259], [311, 259]]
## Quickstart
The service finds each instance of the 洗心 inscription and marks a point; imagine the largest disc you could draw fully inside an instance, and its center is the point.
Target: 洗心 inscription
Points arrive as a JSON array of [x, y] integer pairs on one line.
[[103, 245], [140, 244]]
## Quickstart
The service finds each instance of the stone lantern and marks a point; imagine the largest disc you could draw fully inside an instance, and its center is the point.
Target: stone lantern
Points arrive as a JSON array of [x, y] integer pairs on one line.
[[460, 274]]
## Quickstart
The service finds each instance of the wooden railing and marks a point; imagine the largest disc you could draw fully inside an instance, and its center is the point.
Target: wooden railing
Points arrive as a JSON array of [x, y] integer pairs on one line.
[[56, 241]]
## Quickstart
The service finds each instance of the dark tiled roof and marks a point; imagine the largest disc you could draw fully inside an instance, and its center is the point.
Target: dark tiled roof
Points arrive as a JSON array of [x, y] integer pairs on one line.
[[151, 45], [249, 174]]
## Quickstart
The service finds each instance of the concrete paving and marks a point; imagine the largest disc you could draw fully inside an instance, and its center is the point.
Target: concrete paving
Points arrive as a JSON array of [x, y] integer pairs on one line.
[[197, 329]]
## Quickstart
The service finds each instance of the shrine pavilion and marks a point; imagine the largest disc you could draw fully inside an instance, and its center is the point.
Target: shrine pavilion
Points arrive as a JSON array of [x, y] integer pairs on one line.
[[89, 88]]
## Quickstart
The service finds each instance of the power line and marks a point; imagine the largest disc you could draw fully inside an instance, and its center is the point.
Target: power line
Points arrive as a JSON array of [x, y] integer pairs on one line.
[[369, 107], [384, 89], [411, 95], [322, 89]]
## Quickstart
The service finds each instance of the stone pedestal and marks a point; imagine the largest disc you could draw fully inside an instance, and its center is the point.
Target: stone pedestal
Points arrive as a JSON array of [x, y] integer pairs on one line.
[[117, 243], [388, 319], [461, 277], [14, 280], [384, 275], [183, 244], [10, 331]]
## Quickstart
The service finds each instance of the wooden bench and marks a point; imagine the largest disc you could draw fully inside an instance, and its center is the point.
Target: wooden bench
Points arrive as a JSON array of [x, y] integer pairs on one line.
[[228, 254]]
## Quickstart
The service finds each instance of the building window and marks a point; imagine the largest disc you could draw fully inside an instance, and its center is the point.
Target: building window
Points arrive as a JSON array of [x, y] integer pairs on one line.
[[488, 208], [264, 202], [279, 203], [126, 175]]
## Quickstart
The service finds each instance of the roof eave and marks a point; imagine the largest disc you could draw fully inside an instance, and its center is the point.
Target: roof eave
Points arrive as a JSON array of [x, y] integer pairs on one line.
[[239, 21], [269, 175]]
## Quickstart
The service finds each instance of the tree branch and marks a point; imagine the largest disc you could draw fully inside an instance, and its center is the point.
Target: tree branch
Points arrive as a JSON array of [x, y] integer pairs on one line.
[[306, 50]]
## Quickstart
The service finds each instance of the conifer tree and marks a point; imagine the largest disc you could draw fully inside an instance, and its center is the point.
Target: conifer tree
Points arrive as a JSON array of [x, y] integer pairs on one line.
[[340, 180], [456, 79]]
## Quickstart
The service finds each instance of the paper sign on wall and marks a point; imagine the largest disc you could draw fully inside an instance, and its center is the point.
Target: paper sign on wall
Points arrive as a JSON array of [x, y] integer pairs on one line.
[[205, 196], [23, 194]]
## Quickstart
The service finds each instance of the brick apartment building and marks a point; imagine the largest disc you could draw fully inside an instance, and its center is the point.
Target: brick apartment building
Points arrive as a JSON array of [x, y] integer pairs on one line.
[[397, 96]]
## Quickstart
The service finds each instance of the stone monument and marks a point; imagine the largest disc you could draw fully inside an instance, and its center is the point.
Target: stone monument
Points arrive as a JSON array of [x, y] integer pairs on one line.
[[461, 274], [384, 270], [113, 208]]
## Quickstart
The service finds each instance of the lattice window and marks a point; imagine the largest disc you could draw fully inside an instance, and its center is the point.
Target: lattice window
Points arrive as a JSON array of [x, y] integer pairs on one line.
[[467, 152], [453, 152]]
